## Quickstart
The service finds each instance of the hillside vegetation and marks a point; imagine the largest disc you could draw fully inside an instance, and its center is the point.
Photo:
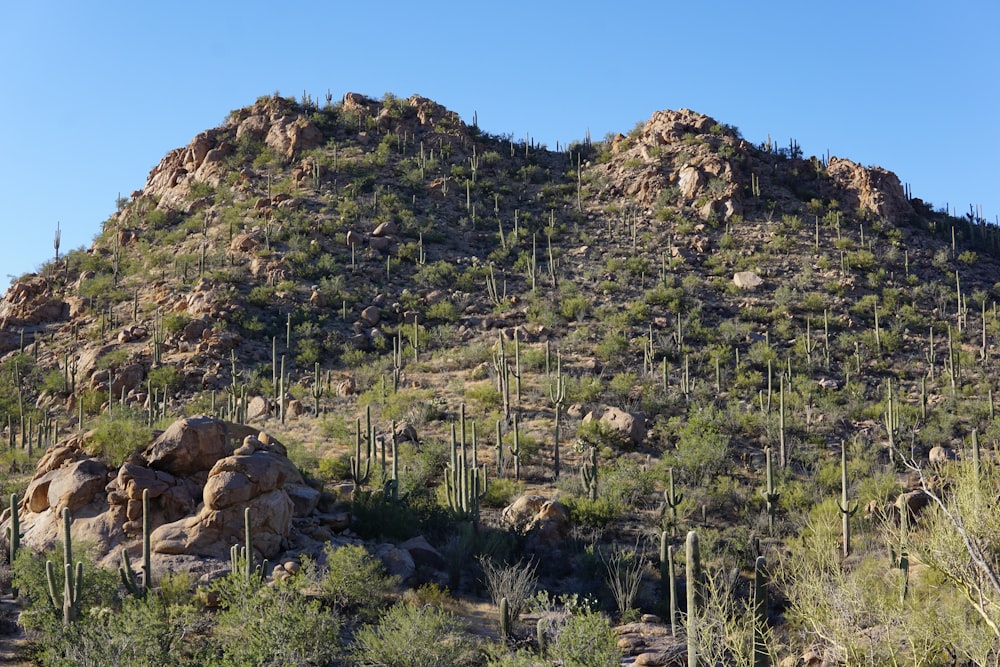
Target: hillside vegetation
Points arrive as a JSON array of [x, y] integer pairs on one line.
[[682, 338]]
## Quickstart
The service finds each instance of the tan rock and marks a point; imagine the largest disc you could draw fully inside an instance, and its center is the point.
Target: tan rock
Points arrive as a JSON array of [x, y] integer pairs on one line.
[[747, 280], [689, 181], [630, 424], [189, 445]]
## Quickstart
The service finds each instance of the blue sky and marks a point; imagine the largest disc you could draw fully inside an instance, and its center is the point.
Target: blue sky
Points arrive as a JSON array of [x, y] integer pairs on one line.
[[93, 96]]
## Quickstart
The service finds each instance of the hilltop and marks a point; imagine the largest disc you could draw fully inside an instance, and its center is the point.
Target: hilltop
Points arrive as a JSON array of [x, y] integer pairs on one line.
[[662, 306]]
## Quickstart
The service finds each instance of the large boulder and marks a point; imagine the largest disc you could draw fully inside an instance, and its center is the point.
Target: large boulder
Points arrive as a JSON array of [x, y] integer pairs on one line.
[[545, 522], [189, 445], [211, 533], [630, 424]]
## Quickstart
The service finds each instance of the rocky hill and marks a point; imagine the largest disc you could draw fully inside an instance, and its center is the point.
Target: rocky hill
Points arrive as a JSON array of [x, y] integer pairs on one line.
[[678, 298]]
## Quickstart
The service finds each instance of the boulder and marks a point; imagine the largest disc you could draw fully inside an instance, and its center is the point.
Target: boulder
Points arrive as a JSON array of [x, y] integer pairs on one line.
[[371, 315], [746, 280], [258, 408], [235, 480], [387, 228], [189, 445], [544, 521], [211, 533], [940, 455], [631, 424], [423, 553], [689, 181]]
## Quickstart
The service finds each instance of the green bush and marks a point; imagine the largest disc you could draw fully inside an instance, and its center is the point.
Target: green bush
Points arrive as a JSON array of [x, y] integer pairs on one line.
[[353, 581], [500, 492], [274, 627], [415, 637], [98, 590], [143, 633], [586, 640], [115, 438], [165, 377]]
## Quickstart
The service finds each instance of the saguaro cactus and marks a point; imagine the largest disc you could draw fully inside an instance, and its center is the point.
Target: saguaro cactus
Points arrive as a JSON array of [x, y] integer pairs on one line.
[[672, 499], [127, 574], [465, 483], [73, 579], [588, 473], [14, 531], [693, 572], [241, 556], [668, 579], [900, 556], [770, 495], [515, 451], [359, 474], [557, 394], [505, 619], [846, 509]]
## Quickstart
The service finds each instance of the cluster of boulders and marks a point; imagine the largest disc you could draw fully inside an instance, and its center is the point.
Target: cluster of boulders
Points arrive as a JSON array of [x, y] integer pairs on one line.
[[200, 474], [28, 302], [676, 149]]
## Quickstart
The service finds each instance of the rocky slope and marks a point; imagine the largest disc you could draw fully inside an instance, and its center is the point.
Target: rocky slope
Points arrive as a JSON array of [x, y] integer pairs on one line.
[[303, 263]]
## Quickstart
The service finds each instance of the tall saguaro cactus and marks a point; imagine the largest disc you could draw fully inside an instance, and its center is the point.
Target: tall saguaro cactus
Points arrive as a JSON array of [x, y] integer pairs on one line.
[[672, 499], [845, 506], [557, 394], [465, 482], [73, 577], [693, 572], [770, 494], [14, 531], [588, 474], [126, 572]]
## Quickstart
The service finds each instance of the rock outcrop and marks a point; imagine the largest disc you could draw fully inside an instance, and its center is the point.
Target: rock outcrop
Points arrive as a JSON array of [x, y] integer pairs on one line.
[[872, 189], [198, 483]]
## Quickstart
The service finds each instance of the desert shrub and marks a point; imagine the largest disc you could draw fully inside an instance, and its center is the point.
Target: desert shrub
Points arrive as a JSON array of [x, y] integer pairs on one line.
[[435, 274], [612, 347], [485, 394], [500, 492], [275, 627], [586, 640], [516, 582], [143, 633], [98, 589], [597, 513], [415, 637], [702, 447], [574, 308], [353, 581], [113, 359], [174, 323], [115, 438], [443, 311], [165, 377]]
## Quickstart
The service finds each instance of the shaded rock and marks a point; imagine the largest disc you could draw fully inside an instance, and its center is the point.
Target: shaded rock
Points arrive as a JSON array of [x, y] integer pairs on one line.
[[423, 553], [940, 454], [545, 521], [371, 315]]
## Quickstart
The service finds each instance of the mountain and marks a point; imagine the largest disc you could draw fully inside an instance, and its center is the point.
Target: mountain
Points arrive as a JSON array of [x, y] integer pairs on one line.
[[677, 298]]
